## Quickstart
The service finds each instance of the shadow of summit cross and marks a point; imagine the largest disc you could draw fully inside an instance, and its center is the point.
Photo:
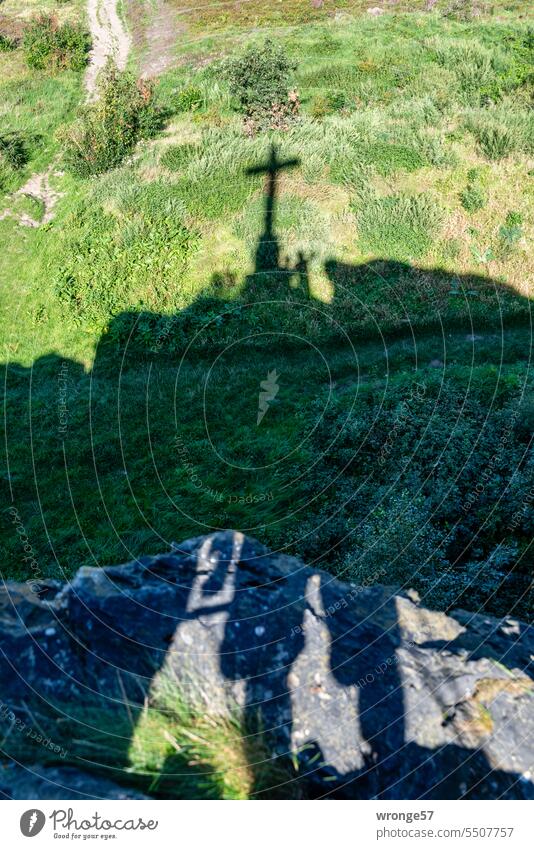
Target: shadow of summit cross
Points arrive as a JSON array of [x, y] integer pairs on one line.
[[268, 251]]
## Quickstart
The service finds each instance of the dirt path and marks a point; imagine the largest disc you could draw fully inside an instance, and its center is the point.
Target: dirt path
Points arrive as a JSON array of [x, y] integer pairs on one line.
[[159, 40], [110, 40], [39, 189]]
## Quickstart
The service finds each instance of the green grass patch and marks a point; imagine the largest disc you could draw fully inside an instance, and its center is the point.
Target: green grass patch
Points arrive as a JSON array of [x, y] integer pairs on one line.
[[398, 226]]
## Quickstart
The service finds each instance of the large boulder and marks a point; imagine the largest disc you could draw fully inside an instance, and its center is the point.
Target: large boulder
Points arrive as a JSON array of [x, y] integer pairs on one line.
[[372, 694]]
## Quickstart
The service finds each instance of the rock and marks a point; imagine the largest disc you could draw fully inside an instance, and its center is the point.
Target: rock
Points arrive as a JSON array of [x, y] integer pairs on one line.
[[374, 695], [39, 782], [375, 10]]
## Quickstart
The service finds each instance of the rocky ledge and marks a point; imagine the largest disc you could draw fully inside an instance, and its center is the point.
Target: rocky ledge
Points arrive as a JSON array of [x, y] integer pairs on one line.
[[371, 694]]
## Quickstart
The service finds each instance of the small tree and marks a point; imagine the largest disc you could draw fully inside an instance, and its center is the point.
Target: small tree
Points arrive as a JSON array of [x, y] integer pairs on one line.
[[260, 79]]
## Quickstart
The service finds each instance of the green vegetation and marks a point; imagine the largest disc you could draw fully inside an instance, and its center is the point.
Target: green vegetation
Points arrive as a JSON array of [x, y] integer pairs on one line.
[[260, 80], [167, 749], [402, 234], [49, 44], [398, 226], [108, 130]]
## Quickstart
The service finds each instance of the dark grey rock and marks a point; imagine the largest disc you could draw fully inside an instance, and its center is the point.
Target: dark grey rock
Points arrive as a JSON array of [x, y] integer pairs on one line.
[[374, 695], [40, 782]]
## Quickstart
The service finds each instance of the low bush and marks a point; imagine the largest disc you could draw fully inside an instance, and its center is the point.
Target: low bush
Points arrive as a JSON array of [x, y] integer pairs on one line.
[[107, 130], [260, 80], [48, 44]]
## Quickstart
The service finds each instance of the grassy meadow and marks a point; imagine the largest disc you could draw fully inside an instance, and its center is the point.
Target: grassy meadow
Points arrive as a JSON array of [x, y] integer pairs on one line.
[[136, 331]]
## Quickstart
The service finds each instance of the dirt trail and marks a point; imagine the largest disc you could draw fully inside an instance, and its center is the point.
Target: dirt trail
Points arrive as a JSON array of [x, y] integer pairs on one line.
[[159, 40], [37, 187], [110, 40]]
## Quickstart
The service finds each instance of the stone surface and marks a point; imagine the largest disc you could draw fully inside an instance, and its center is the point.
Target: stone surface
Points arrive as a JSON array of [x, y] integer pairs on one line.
[[38, 782], [373, 694]]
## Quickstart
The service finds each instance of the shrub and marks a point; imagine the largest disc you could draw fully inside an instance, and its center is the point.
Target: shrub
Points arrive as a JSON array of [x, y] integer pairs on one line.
[[398, 226], [49, 44], [108, 129], [260, 80]]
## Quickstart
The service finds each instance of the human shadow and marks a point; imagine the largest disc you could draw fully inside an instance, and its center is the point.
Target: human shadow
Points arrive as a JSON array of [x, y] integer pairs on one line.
[[266, 651]]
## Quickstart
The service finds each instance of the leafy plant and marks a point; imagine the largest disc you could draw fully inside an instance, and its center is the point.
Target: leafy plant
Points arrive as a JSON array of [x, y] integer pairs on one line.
[[187, 99], [473, 197], [509, 234], [48, 44], [260, 80], [108, 130]]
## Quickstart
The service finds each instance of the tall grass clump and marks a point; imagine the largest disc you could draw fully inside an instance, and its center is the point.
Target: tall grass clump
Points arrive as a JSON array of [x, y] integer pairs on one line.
[[215, 181], [500, 132], [179, 751], [13, 156], [107, 130]]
